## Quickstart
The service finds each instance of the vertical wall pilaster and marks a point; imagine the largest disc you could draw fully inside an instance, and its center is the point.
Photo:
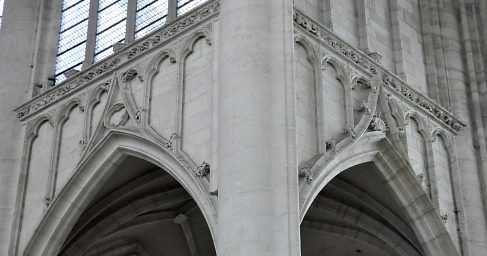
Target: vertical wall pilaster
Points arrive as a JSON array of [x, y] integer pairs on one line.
[[17, 40], [257, 176]]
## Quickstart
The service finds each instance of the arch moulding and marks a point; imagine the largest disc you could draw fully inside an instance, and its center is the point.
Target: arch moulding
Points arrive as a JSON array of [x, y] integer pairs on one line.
[[92, 173], [376, 148]]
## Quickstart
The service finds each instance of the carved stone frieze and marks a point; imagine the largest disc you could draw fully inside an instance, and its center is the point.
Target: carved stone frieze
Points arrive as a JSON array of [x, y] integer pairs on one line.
[[371, 65], [178, 26]]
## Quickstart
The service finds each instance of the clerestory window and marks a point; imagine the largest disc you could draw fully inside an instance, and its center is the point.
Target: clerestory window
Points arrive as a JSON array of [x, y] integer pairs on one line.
[[1, 12], [90, 28]]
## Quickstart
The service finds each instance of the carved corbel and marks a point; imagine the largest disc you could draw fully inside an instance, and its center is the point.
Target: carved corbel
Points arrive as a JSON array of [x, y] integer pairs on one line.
[[203, 170], [131, 74], [305, 172], [420, 177], [377, 124], [331, 146], [444, 217], [83, 143], [401, 132], [138, 114], [169, 143]]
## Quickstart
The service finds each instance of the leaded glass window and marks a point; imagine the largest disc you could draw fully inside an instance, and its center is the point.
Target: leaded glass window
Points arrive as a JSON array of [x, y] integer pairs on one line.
[[85, 39], [72, 37], [111, 26], [151, 14], [187, 5], [1, 12]]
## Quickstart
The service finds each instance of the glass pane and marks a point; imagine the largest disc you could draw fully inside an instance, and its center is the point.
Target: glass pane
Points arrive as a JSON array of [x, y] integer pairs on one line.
[[111, 26], [187, 5], [1, 12], [151, 14], [75, 14], [70, 59], [72, 37]]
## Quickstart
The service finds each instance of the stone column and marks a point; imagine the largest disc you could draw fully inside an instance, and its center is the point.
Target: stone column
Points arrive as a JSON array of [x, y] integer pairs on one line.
[[17, 41], [257, 171]]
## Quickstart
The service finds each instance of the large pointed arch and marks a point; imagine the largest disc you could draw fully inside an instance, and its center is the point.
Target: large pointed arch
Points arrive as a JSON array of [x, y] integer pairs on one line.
[[91, 174], [376, 149]]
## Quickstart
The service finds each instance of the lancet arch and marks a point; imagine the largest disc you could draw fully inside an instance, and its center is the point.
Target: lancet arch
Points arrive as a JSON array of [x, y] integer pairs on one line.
[[390, 194], [97, 178]]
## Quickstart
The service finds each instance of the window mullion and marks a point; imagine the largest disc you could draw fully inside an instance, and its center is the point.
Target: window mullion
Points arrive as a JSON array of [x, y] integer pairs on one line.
[[130, 29], [91, 38], [172, 10]]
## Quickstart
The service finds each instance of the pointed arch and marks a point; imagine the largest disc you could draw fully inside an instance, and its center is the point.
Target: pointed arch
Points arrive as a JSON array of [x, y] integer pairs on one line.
[[91, 175], [376, 148]]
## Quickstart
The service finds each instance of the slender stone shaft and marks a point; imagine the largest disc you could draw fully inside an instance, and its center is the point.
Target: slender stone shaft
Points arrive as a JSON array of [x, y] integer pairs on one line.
[[17, 37], [257, 211]]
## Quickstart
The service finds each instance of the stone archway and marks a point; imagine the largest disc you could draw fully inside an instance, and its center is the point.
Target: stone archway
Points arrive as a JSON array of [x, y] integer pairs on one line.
[[356, 214], [366, 198], [128, 191]]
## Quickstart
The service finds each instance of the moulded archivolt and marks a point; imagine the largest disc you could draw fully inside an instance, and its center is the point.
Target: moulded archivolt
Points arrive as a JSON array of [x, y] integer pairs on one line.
[[375, 148]]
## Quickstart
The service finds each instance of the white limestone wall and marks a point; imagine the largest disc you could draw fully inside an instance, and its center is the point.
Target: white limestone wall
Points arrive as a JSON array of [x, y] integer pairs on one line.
[[417, 153], [196, 120], [381, 34], [37, 173], [447, 203], [335, 112], [344, 20], [163, 93], [69, 145], [306, 100]]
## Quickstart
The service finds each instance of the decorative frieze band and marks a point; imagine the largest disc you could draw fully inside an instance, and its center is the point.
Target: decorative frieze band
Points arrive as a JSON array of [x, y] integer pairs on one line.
[[80, 80], [371, 66]]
